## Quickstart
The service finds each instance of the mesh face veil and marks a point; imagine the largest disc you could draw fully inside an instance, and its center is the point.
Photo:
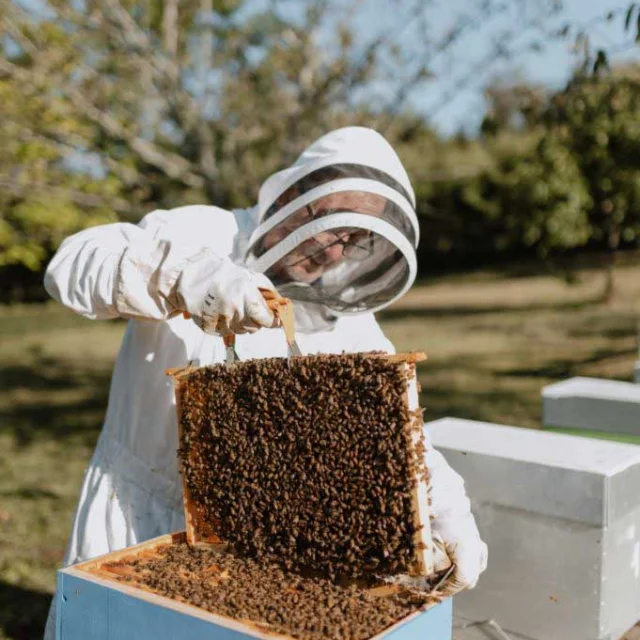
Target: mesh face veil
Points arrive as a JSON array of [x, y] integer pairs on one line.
[[339, 228]]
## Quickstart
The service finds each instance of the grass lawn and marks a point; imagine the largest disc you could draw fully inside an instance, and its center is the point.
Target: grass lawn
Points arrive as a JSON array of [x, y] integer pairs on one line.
[[493, 342]]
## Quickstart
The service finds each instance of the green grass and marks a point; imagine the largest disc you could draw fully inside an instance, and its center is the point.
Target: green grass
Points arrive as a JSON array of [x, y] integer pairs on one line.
[[493, 342], [54, 377], [598, 435]]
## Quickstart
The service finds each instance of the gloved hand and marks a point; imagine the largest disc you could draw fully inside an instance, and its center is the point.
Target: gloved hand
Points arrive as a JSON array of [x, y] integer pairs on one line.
[[222, 297], [454, 525]]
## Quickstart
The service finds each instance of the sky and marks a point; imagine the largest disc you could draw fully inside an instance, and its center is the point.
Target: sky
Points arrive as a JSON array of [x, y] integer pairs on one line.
[[451, 109], [453, 98]]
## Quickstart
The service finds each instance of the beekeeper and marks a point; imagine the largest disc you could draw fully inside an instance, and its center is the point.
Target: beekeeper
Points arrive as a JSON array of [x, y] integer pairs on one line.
[[336, 232]]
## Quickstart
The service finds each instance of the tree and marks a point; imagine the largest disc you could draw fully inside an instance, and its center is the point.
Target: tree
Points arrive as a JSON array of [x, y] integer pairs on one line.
[[597, 119], [201, 99], [530, 198], [513, 106], [165, 102], [40, 200], [540, 200]]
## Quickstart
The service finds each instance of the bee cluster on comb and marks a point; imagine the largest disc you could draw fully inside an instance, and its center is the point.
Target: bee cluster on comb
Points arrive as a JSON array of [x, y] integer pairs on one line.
[[315, 463], [272, 599]]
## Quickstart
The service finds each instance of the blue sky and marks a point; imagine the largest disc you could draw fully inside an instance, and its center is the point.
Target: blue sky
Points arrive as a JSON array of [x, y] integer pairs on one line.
[[551, 66]]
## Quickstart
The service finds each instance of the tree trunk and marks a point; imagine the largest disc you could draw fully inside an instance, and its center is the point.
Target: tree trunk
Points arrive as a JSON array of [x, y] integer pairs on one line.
[[206, 40], [170, 27], [610, 288]]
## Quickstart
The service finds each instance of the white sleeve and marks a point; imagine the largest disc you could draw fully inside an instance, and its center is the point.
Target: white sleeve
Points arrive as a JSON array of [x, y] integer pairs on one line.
[[454, 524], [130, 271]]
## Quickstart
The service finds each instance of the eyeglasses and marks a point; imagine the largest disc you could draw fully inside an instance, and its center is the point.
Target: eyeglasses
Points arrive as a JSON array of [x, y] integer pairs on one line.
[[357, 244]]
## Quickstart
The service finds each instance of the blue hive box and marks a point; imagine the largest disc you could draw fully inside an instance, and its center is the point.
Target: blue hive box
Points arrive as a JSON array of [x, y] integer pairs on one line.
[[94, 606]]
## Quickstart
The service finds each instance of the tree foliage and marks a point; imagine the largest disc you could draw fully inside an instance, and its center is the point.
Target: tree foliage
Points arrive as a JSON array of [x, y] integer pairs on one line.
[[598, 120], [564, 169], [40, 200]]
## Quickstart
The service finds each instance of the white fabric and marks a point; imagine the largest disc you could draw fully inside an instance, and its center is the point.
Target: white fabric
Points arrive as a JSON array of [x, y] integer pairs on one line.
[[223, 297], [454, 524], [364, 148], [350, 145], [131, 491]]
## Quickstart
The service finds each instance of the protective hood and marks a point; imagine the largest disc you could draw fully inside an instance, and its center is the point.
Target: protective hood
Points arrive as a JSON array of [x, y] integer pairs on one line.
[[338, 229]]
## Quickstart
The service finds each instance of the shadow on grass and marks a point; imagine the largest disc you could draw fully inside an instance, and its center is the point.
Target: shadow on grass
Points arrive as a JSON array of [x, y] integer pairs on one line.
[[30, 493], [43, 319], [49, 416], [23, 611], [442, 402], [447, 398], [453, 311], [565, 368], [609, 330]]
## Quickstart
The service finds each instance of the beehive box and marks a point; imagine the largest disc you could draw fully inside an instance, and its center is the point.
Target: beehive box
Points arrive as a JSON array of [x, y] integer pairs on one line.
[[561, 517], [316, 462], [116, 598], [593, 407]]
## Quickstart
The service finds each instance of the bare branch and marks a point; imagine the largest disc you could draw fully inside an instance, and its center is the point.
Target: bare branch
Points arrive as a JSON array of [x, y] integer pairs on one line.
[[170, 27], [206, 41], [171, 164], [74, 144], [208, 164], [156, 71], [134, 36], [18, 35], [500, 50], [79, 197], [467, 24], [336, 87], [163, 71], [504, 49], [132, 31]]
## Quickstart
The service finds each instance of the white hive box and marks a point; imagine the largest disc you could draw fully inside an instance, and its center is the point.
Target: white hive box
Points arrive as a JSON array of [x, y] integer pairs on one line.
[[593, 406], [561, 517]]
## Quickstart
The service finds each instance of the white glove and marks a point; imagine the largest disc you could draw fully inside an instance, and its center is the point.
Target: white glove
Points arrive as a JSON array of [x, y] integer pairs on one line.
[[222, 297], [454, 525]]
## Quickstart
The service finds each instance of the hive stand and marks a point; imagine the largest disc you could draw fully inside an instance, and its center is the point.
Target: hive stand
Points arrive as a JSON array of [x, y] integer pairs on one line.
[[595, 407], [93, 605], [561, 517]]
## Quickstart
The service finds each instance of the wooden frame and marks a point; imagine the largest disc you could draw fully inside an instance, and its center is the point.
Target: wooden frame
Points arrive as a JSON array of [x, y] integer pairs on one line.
[[430, 557]]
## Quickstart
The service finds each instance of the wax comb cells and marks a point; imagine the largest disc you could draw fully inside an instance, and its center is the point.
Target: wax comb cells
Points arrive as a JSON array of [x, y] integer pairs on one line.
[[263, 594], [311, 462]]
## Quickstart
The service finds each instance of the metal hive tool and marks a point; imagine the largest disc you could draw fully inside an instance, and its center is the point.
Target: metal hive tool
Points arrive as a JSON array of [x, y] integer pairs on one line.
[[282, 309]]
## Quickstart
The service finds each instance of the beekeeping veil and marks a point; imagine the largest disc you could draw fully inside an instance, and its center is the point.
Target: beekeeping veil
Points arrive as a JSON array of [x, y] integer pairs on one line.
[[338, 229]]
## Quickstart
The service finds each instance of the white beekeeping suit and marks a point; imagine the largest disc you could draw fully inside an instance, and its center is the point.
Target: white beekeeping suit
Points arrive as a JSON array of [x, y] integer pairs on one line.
[[336, 232]]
